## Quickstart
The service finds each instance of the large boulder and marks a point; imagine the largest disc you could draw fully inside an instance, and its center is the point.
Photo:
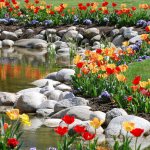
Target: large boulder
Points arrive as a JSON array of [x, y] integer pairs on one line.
[[64, 75], [117, 41], [7, 99], [31, 43], [45, 82], [80, 112], [91, 32], [49, 104], [70, 102], [7, 43], [9, 35], [29, 102], [70, 35], [115, 129], [54, 95], [129, 33], [115, 112]]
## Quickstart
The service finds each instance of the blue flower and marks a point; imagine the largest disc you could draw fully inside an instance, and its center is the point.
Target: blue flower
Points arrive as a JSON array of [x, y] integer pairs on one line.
[[47, 22], [105, 96], [141, 23], [34, 22], [87, 22]]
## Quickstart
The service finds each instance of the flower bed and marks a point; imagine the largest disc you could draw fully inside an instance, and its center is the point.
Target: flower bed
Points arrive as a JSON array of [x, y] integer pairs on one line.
[[42, 13]]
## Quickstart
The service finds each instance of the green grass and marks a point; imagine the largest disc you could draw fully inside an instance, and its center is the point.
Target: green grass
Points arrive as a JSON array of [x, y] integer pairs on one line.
[[75, 2], [138, 68]]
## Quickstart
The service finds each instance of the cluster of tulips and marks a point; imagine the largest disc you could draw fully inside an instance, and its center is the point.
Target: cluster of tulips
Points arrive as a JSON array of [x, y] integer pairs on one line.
[[105, 69], [88, 13], [10, 131]]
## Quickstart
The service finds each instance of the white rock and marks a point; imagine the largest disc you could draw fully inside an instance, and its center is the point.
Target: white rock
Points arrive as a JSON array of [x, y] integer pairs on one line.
[[44, 82], [129, 33], [7, 99], [9, 35], [7, 43], [63, 87], [51, 76], [91, 32], [115, 126], [135, 39], [37, 89], [117, 41], [44, 112], [66, 95], [64, 75], [29, 102], [54, 95], [49, 104], [70, 35]]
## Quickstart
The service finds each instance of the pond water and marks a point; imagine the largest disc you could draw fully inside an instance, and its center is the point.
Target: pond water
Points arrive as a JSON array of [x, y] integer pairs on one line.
[[18, 68]]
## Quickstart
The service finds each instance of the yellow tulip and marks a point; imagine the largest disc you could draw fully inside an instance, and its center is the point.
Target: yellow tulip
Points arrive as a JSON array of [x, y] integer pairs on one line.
[[100, 57], [123, 68], [25, 119], [143, 84], [128, 125], [123, 6], [96, 123], [126, 43], [112, 66], [76, 59], [13, 114], [121, 77]]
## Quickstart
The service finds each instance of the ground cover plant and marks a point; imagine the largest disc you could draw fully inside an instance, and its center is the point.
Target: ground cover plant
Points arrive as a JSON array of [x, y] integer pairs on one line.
[[34, 13]]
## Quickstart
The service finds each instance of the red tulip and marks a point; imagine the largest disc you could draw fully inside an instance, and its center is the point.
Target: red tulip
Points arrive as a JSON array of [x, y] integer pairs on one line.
[[137, 132], [12, 142], [136, 80], [79, 129], [129, 98], [114, 4], [88, 136], [68, 119], [133, 8], [26, 1], [61, 130], [80, 64], [147, 29], [110, 71], [99, 51], [104, 4]]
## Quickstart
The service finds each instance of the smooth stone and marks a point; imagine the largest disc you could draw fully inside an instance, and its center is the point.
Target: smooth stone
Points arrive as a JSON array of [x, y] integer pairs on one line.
[[3, 109], [129, 33], [47, 89], [50, 31], [80, 112], [98, 114], [64, 75], [18, 32], [135, 39], [63, 87], [51, 76], [91, 32], [60, 44], [0, 44], [28, 90], [7, 99], [114, 32], [96, 38], [39, 36], [117, 41], [67, 103], [70, 36], [79, 37], [44, 112], [61, 32], [96, 43], [54, 95], [29, 31], [9, 35], [63, 50], [29, 102], [7, 43], [49, 104], [44, 82], [115, 129], [43, 32], [66, 95], [115, 112], [122, 29], [85, 41], [72, 28], [31, 43]]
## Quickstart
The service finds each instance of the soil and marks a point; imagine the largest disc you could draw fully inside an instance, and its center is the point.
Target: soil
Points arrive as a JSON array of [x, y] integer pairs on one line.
[[103, 29], [105, 107]]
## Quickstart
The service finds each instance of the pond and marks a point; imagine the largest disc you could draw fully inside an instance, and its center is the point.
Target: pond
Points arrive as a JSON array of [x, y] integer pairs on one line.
[[18, 68]]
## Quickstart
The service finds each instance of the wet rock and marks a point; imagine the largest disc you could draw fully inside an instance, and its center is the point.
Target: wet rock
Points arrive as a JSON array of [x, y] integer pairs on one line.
[[115, 112], [115, 127], [91, 32], [31, 43], [9, 35], [7, 43], [117, 41], [66, 95], [44, 112], [70, 102], [44, 82], [64, 75], [63, 87], [29, 102], [7, 99]]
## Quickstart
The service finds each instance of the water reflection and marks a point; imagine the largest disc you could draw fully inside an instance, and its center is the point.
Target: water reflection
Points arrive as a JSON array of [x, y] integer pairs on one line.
[[20, 66]]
